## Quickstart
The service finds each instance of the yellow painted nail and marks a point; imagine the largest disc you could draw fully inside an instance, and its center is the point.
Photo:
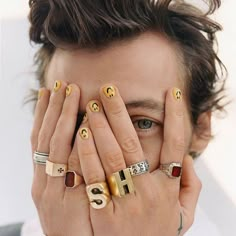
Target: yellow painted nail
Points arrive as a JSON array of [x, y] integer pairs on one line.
[[84, 134], [68, 90], [109, 91], [85, 118], [57, 85], [177, 94], [94, 107], [40, 94]]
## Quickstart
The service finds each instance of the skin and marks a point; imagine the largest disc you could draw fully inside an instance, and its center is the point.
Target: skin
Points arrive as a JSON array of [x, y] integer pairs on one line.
[[139, 71]]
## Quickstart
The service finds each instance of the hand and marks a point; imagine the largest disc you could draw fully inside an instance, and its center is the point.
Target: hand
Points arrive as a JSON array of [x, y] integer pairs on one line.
[[62, 211], [159, 204]]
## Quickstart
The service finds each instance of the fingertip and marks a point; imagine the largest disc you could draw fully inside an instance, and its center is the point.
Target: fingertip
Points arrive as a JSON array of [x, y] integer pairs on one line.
[[43, 93]]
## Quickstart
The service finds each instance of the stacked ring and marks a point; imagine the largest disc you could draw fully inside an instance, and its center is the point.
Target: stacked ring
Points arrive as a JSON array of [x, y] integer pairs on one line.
[[139, 168], [98, 195], [40, 157], [55, 170]]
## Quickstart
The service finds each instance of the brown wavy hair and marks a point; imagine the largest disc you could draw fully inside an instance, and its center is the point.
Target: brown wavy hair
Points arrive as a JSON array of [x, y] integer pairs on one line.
[[96, 24]]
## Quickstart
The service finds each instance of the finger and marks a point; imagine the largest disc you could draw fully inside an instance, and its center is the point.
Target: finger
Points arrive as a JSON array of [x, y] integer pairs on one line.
[[190, 190], [60, 144], [91, 165], [40, 110], [49, 123], [38, 186], [73, 161], [121, 124], [107, 146], [173, 147], [74, 176]]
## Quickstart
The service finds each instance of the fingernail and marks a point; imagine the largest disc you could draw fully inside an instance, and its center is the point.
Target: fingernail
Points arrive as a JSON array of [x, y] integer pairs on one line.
[[84, 134], [40, 93], [68, 90], [177, 94], [94, 107], [85, 118], [109, 91], [57, 85]]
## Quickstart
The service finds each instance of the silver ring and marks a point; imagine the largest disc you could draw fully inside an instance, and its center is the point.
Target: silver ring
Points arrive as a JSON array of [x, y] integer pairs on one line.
[[139, 168], [40, 157]]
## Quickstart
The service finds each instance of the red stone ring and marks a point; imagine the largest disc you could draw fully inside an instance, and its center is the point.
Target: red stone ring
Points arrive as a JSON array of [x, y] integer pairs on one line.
[[172, 170], [72, 179]]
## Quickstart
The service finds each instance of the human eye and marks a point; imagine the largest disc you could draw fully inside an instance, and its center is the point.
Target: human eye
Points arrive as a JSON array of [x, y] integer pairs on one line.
[[144, 125]]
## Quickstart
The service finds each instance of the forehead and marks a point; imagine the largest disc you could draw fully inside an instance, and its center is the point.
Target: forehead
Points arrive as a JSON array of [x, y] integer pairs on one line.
[[142, 68]]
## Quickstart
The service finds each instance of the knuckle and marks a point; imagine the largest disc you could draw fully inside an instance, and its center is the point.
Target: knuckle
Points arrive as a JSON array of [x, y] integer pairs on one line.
[[67, 113], [178, 143], [99, 124], [62, 129], [73, 162], [116, 110], [114, 160], [130, 145], [87, 152], [53, 144], [179, 113], [43, 138], [94, 178], [58, 144]]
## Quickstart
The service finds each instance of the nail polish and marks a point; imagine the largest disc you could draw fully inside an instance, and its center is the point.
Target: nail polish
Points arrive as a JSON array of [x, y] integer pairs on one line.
[[57, 85], [94, 107], [177, 94], [68, 90], [84, 134], [109, 91]]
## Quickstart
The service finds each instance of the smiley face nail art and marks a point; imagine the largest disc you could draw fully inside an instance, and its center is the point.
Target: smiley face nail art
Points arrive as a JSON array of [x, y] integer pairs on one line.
[[84, 134], [109, 91], [177, 94], [94, 107], [68, 90], [57, 85]]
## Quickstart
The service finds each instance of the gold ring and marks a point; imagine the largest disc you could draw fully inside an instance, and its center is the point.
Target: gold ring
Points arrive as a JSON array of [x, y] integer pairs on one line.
[[121, 183], [55, 170], [98, 195]]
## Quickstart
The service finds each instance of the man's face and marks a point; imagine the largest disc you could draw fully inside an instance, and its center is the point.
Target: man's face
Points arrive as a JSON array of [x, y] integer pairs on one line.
[[143, 69]]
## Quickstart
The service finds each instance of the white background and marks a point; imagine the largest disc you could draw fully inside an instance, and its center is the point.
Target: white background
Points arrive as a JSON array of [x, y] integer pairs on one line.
[[216, 168]]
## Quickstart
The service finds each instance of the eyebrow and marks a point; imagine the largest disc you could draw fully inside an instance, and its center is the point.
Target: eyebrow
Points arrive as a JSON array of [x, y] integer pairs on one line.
[[148, 104]]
